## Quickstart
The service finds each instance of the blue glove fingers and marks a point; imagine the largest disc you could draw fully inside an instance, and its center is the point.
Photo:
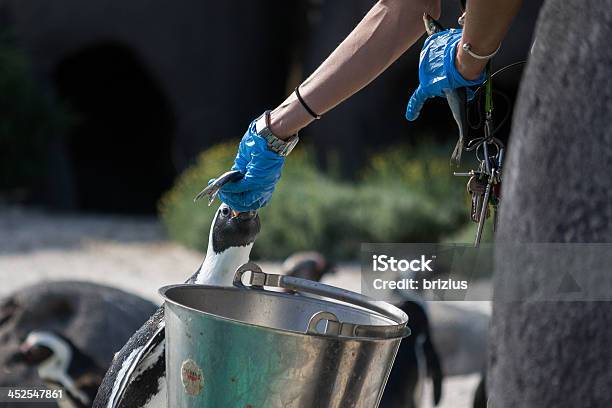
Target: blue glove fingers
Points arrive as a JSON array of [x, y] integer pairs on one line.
[[247, 201], [239, 186], [252, 182], [264, 169], [416, 104], [261, 168], [234, 200], [437, 71]]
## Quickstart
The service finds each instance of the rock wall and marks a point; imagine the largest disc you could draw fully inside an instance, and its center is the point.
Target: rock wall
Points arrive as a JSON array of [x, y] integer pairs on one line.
[[557, 189]]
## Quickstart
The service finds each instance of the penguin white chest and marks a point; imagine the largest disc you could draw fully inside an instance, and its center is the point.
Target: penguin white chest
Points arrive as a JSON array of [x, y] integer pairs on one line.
[[218, 269]]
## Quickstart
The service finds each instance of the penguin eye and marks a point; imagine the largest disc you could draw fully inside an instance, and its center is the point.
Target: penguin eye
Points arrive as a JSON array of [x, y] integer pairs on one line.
[[225, 211]]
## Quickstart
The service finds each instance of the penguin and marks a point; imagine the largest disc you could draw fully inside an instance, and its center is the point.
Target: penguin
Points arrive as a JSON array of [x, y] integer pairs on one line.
[[136, 378], [307, 265], [417, 359], [94, 320], [61, 365]]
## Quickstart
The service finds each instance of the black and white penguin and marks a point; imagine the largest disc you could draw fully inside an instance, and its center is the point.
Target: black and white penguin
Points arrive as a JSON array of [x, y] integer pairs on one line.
[[136, 378], [93, 320], [416, 361], [309, 265], [61, 365]]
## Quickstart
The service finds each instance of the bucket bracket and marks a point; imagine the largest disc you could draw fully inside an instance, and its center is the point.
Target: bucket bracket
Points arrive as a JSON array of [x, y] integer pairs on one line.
[[257, 279]]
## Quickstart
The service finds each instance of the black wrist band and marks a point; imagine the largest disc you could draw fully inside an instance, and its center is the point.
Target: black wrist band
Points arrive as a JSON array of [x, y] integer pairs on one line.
[[310, 111]]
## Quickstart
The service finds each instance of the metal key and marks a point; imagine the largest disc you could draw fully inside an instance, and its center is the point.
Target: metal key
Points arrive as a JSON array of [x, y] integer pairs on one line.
[[476, 187]]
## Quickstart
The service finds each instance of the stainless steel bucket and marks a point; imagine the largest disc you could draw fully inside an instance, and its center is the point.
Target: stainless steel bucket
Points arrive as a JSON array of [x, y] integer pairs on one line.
[[315, 347]]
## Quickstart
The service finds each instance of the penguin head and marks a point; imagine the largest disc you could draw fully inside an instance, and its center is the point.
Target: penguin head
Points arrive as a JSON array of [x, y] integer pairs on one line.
[[52, 354], [49, 353], [308, 265], [233, 229], [230, 240], [43, 348]]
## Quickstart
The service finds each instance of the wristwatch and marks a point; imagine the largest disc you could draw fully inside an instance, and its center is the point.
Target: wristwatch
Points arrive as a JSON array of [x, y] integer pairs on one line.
[[282, 147]]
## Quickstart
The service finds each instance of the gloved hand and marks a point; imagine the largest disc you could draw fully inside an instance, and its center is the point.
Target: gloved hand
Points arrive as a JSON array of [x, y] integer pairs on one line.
[[261, 168], [437, 71]]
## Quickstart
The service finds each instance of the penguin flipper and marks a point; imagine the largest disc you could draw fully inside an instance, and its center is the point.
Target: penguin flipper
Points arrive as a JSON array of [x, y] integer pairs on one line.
[[158, 337]]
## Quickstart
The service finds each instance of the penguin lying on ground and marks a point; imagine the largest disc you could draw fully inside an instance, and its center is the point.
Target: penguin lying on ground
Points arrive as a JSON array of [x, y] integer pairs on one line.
[[94, 319], [61, 365], [136, 378]]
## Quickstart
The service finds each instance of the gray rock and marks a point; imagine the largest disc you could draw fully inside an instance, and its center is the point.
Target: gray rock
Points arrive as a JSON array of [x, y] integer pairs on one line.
[[557, 188]]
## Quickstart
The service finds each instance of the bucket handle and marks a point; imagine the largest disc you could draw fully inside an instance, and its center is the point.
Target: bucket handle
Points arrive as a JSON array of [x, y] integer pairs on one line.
[[259, 279], [332, 326]]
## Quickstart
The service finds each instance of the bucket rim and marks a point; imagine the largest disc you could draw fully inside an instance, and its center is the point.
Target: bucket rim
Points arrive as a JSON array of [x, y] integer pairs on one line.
[[403, 330]]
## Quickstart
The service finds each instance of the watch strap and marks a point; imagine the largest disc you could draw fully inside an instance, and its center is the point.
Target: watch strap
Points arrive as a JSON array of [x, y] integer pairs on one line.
[[282, 147]]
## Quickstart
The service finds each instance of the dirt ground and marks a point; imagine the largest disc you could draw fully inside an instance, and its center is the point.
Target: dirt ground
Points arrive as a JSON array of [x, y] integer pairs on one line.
[[133, 254]]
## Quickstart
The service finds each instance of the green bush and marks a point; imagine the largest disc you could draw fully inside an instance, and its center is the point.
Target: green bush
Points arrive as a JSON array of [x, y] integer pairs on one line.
[[467, 234], [310, 210], [27, 119], [424, 168], [188, 222]]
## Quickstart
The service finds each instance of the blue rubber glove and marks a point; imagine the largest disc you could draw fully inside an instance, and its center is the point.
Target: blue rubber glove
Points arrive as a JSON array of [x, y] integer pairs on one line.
[[437, 71], [261, 168]]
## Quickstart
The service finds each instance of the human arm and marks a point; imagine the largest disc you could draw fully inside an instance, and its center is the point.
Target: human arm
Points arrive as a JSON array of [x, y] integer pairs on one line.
[[446, 65], [486, 25], [385, 33]]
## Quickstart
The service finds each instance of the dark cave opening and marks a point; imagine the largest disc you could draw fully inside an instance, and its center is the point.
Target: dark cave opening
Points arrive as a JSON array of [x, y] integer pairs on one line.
[[121, 145]]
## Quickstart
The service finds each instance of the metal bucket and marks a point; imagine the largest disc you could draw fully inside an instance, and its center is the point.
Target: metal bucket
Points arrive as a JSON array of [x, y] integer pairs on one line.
[[315, 347]]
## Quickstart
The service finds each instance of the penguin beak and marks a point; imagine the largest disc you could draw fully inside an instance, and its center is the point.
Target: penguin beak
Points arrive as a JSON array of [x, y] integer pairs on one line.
[[243, 216], [33, 354]]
